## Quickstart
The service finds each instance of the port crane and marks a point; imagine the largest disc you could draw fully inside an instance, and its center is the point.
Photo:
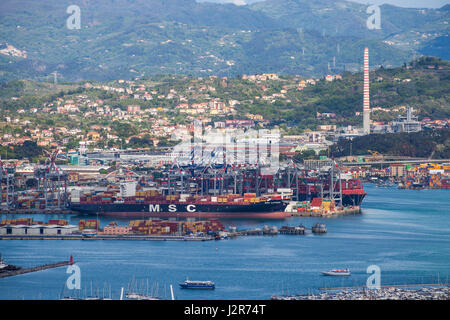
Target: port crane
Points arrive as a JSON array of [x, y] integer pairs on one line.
[[211, 176], [52, 181], [7, 178], [122, 173], [376, 156]]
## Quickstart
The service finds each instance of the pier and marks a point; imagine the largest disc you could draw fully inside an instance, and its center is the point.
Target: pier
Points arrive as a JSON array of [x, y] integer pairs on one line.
[[34, 269], [105, 237], [284, 230], [418, 285]]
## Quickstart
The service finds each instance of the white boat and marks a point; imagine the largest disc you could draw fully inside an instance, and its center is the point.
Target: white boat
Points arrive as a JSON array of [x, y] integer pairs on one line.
[[137, 296], [134, 295], [337, 272], [2, 263]]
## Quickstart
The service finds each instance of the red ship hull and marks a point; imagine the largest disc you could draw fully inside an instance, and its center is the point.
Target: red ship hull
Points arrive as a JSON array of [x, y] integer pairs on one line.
[[234, 215], [165, 209]]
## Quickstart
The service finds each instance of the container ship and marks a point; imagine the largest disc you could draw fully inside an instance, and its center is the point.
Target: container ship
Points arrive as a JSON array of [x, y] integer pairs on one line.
[[353, 192], [149, 204], [128, 202]]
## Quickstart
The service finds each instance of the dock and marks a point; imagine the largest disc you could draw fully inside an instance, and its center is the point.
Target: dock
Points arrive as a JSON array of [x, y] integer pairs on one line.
[[331, 214], [34, 269], [284, 230], [105, 237]]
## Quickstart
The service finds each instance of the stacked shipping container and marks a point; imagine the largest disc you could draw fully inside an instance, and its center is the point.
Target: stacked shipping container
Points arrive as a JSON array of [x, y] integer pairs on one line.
[[164, 227]]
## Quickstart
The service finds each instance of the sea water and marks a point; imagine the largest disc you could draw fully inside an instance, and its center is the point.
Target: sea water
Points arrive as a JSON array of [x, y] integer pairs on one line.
[[406, 233]]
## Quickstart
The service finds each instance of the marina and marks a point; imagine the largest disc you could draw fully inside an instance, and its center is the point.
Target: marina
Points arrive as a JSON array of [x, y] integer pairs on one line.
[[435, 292], [142, 293]]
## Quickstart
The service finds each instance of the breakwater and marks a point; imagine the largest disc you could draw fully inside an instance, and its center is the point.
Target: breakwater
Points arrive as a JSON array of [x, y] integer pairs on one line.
[[34, 269], [105, 237]]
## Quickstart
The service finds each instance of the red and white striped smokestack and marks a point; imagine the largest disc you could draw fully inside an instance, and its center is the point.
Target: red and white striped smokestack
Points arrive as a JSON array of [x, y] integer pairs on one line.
[[366, 99]]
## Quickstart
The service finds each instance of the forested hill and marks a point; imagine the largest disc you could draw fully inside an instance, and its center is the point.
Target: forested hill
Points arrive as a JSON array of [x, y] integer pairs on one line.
[[129, 39], [423, 84], [433, 144]]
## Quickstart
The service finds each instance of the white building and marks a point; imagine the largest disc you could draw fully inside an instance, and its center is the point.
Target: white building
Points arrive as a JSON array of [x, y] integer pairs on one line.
[[128, 189], [23, 230]]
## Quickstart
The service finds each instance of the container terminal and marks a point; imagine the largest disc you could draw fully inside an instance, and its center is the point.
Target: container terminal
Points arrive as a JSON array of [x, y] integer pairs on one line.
[[426, 176], [155, 229], [403, 174], [187, 190]]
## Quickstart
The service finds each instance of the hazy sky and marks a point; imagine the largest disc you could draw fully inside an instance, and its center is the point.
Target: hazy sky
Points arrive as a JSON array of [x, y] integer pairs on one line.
[[399, 3], [409, 3]]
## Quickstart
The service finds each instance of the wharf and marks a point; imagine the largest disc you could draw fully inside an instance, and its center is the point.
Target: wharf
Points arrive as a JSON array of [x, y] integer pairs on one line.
[[34, 269], [36, 211], [285, 230], [332, 214], [104, 237]]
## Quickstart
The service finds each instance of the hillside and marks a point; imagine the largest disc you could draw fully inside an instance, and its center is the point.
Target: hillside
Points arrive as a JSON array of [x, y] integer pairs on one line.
[[435, 143], [423, 84], [346, 18], [128, 39]]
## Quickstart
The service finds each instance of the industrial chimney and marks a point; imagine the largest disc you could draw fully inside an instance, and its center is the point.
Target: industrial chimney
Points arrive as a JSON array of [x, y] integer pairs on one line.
[[366, 100]]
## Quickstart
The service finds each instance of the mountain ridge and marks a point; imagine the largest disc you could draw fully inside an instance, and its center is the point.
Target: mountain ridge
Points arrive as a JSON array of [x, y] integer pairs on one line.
[[128, 39]]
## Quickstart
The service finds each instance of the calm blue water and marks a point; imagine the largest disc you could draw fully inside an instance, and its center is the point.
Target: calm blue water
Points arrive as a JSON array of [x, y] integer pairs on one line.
[[405, 232]]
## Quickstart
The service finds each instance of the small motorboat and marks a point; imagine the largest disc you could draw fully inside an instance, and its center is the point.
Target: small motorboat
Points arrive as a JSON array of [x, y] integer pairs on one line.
[[4, 267], [3, 264], [188, 284], [137, 296], [337, 272], [319, 228]]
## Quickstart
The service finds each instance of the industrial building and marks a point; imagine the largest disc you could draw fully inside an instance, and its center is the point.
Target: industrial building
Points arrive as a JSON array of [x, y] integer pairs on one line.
[[27, 230], [408, 124], [116, 230]]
